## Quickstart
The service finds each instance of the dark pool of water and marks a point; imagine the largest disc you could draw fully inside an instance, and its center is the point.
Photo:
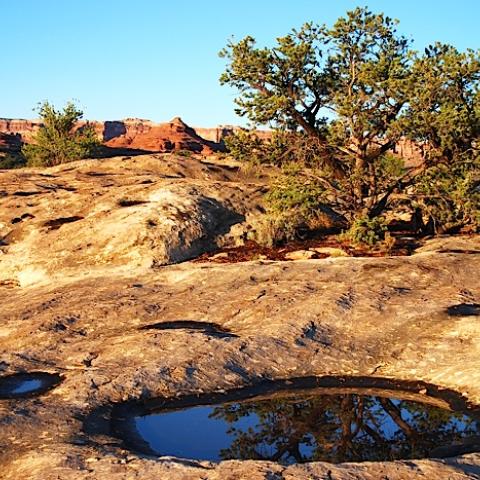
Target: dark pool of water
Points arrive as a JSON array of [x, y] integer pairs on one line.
[[21, 385], [305, 427]]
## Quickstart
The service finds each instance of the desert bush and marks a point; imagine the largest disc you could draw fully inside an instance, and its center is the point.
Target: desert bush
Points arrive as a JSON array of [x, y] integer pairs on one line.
[[450, 196], [273, 229], [59, 140], [10, 160], [298, 205], [293, 202], [184, 153], [277, 147], [245, 146], [367, 231], [292, 190]]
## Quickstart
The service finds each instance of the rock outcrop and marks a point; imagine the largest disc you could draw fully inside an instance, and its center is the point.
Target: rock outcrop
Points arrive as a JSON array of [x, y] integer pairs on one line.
[[131, 133], [120, 213], [86, 287], [21, 127], [165, 137], [384, 318]]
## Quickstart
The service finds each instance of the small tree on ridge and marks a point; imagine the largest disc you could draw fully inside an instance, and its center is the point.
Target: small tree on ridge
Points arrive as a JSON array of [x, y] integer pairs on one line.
[[59, 139]]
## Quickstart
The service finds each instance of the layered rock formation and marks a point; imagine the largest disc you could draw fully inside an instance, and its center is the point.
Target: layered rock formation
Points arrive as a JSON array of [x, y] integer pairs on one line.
[[85, 281], [131, 133], [143, 135], [165, 137], [23, 128]]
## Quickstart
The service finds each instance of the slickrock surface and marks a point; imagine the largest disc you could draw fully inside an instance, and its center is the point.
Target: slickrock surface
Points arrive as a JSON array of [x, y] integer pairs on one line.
[[93, 319], [123, 213]]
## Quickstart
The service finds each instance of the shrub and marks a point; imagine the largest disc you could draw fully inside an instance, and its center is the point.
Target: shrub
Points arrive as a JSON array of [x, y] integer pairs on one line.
[[294, 202], [59, 139], [277, 147], [184, 153], [273, 229], [297, 205], [245, 146], [292, 190], [12, 161], [450, 196], [367, 231]]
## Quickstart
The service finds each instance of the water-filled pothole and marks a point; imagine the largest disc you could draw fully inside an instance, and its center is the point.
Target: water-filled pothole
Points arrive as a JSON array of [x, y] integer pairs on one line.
[[334, 424], [464, 309], [21, 385]]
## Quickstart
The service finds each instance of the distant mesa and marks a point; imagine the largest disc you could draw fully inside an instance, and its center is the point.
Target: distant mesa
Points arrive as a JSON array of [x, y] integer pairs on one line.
[[137, 135], [162, 137], [130, 133]]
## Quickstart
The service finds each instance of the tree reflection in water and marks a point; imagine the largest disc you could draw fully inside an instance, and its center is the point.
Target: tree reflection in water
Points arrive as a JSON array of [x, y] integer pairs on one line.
[[340, 428]]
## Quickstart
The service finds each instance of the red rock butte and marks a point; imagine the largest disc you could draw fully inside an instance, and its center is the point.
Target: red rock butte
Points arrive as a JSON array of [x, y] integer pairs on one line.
[[131, 133], [142, 135]]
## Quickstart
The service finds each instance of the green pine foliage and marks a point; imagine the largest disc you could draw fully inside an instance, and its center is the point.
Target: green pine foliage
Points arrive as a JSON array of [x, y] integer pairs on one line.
[[450, 195], [59, 140], [342, 97]]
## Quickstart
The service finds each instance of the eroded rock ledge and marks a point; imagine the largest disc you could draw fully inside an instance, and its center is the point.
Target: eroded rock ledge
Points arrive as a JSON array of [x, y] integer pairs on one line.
[[98, 217], [404, 318], [86, 293]]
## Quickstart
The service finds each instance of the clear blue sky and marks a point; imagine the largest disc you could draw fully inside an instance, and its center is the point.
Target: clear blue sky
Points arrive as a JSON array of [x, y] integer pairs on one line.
[[158, 59]]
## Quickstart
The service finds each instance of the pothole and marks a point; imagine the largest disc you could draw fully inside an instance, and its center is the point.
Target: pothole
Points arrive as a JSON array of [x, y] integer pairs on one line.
[[56, 223], [20, 385], [128, 202], [294, 422], [26, 193], [464, 309], [208, 328], [21, 218]]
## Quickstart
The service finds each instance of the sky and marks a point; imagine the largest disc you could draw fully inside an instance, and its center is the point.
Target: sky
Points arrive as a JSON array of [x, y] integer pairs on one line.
[[158, 59]]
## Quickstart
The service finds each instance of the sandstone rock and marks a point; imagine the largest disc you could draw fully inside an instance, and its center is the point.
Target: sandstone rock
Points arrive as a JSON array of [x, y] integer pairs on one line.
[[331, 251], [21, 127], [142, 134], [131, 213], [453, 244], [84, 286], [299, 255], [380, 317], [174, 135], [132, 133], [219, 256]]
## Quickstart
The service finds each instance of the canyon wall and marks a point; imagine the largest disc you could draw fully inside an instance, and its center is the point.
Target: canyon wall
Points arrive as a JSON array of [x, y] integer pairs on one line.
[[145, 135], [131, 133], [19, 127]]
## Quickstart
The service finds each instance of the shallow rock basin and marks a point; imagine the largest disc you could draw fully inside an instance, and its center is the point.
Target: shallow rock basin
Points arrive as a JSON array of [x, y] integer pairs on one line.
[[298, 425], [204, 335], [30, 384]]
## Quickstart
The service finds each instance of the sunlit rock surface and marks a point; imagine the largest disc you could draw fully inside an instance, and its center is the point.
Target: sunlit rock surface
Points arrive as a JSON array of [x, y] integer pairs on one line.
[[83, 298], [125, 213]]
